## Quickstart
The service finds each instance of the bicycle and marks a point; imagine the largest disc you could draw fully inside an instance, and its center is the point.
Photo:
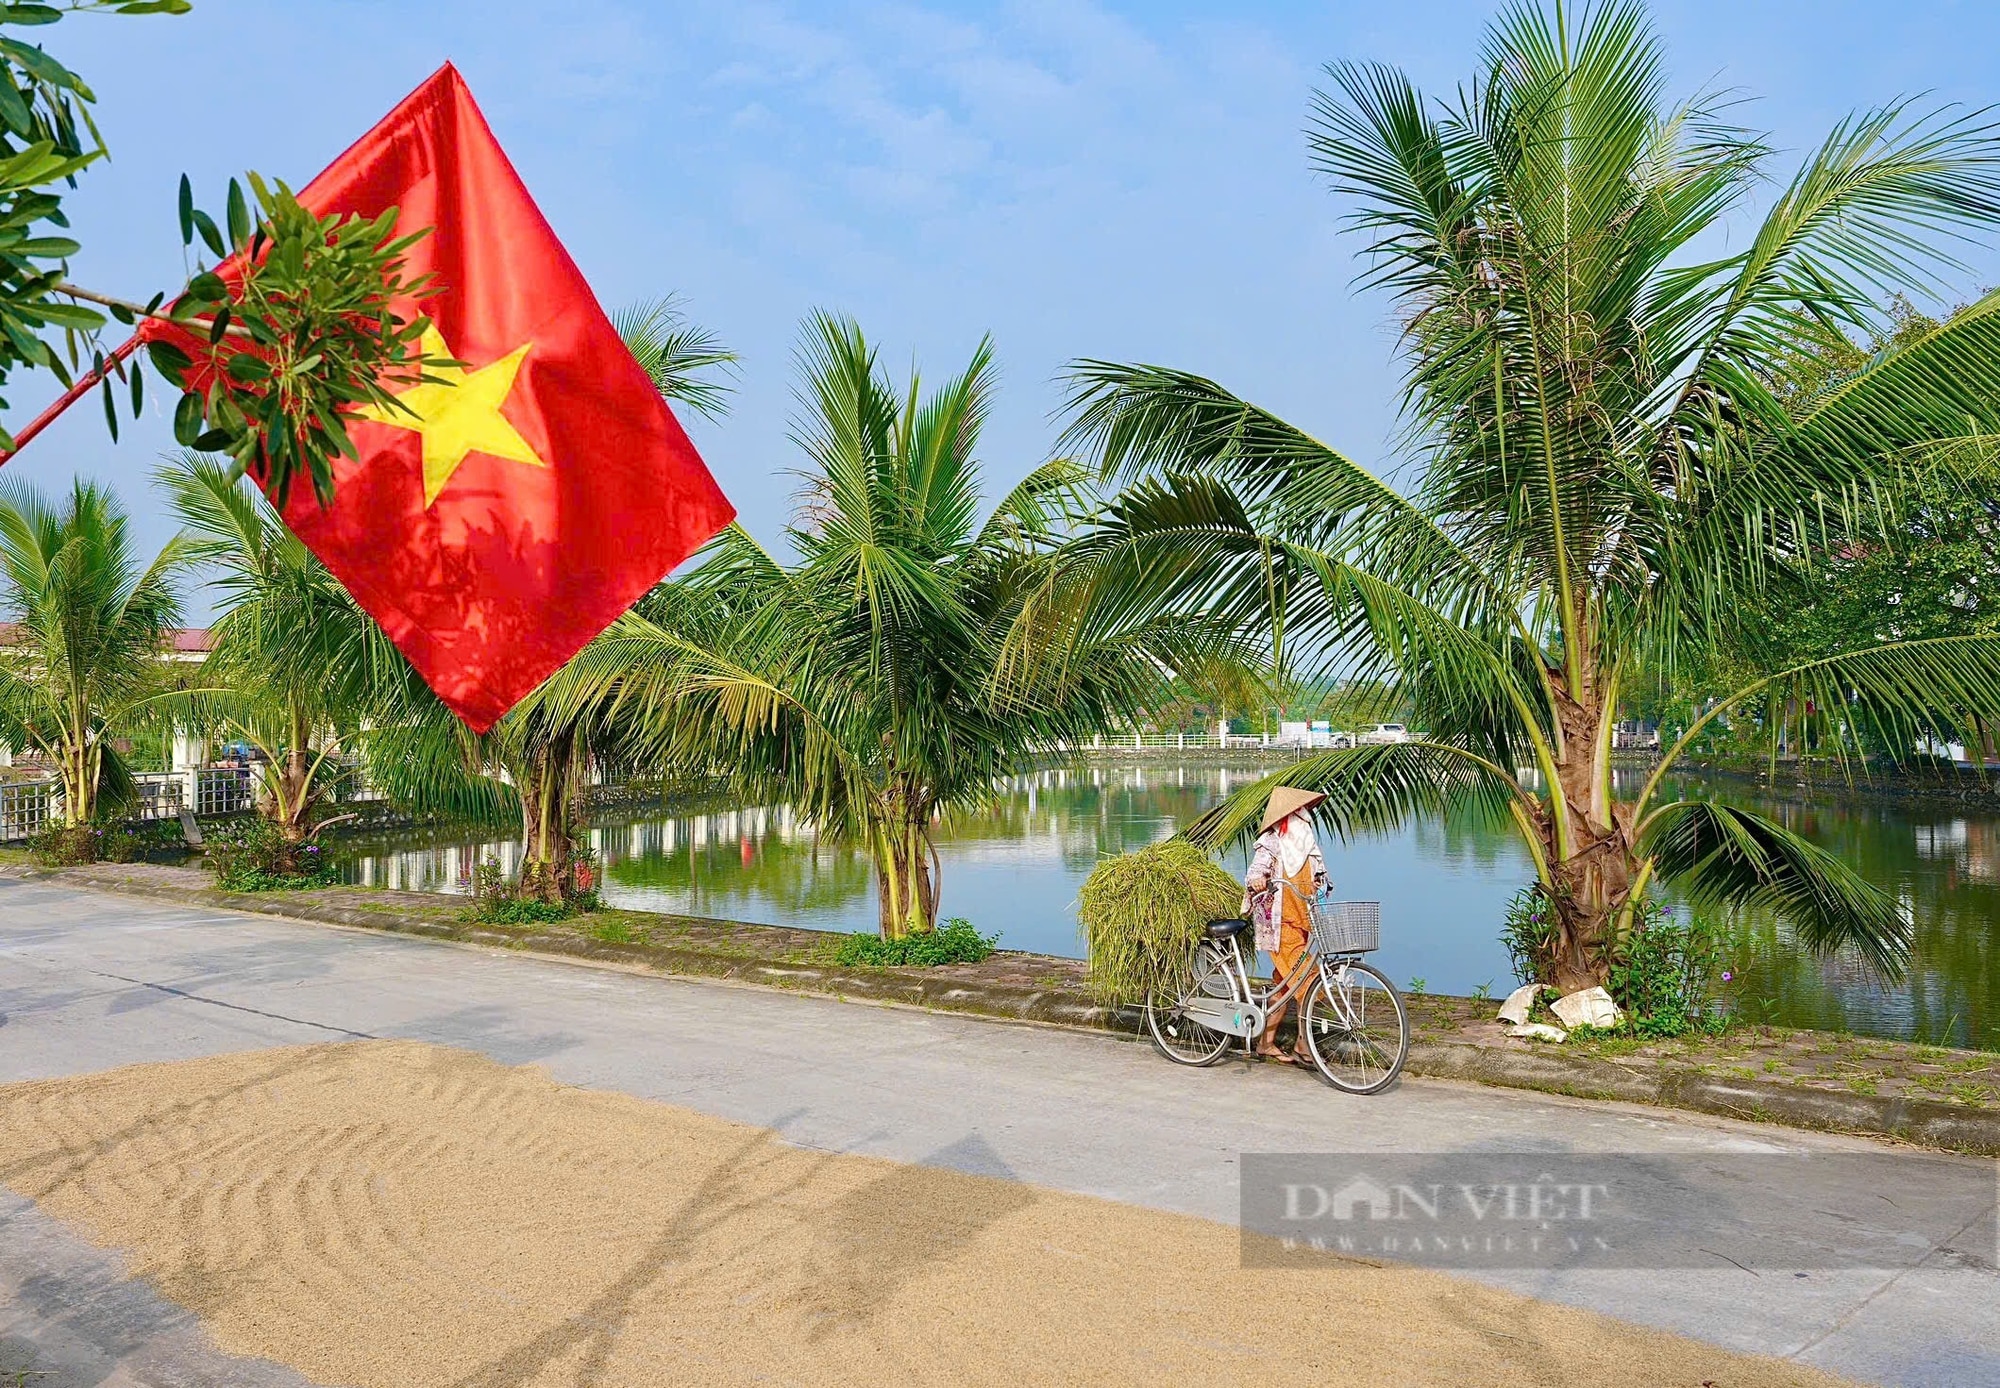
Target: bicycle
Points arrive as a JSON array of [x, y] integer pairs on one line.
[[1352, 1019]]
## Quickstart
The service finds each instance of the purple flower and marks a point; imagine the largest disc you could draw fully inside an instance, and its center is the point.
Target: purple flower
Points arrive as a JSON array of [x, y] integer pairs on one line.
[[1726, 975]]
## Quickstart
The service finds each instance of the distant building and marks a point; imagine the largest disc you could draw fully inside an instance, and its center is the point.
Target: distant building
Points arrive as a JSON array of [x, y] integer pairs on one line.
[[184, 645]]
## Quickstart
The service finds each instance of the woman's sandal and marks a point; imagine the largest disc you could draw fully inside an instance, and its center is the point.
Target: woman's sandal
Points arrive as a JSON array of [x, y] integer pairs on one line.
[[1282, 1057]]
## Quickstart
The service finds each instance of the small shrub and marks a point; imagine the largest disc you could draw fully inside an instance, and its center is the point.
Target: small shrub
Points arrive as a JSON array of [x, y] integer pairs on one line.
[[497, 900], [1663, 971], [1528, 932], [107, 843], [521, 910], [954, 941], [150, 840], [58, 846], [1141, 915], [250, 855]]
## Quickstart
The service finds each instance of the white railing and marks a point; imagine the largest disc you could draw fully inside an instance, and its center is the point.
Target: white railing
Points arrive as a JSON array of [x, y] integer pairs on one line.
[[221, 790], [26, 808], [162, 794], [1143, 741]]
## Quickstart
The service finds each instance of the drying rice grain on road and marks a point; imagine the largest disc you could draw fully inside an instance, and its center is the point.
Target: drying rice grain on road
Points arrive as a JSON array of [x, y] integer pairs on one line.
[[395, 1215]]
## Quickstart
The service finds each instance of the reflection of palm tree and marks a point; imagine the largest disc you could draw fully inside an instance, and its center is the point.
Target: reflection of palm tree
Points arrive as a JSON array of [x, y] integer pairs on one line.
[[1621, 454], [794, 874]]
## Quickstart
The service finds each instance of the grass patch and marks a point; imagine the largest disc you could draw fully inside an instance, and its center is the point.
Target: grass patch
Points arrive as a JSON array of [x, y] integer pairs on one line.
[[524, 910], [954, 941]]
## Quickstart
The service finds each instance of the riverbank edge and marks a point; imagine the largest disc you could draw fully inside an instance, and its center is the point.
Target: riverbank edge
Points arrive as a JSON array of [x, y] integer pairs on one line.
[[1942, 1126]]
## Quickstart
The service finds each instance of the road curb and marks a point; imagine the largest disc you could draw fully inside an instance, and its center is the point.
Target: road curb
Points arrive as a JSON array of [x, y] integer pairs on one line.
[[1925, 1123]]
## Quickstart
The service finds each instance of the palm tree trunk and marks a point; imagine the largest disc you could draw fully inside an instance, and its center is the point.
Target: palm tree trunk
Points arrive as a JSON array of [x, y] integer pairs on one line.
[[291, 810], [1588, 848], [79, 785], [548, 858], [905, 886]]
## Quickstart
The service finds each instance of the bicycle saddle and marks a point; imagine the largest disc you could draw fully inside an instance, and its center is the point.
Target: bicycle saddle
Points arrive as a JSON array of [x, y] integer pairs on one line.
[[1223, 930]]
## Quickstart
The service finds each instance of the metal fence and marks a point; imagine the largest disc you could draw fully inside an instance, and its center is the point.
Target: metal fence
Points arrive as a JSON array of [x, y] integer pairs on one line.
[[26, 807], [221, 790], [162, 794]]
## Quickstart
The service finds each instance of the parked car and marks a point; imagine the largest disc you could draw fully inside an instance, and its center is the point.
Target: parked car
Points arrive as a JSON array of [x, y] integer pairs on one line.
[[1382, 733]]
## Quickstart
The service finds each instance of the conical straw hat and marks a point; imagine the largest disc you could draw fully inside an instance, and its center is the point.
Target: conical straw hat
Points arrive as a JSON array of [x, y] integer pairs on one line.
[[1288, 800]]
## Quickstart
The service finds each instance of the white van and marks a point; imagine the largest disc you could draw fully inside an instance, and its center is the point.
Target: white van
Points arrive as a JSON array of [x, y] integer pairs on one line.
[[1384, 733]]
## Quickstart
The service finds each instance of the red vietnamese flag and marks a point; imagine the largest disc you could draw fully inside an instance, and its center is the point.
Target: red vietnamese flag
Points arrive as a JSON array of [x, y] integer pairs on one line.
[[537, 496]]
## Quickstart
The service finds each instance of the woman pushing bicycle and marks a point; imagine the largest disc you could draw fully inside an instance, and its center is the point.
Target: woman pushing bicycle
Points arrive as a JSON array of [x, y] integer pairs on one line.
[[1287, 871]]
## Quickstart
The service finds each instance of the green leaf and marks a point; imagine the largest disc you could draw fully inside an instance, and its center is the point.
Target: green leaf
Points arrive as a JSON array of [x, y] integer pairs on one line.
[[211, 237], [246, 367], [138, 390], [47, 247], [187, 211], [169, 360], [41, 65], [187, 419], [239, 216], [29, 14], [15, 115], [218, 326], [69, 315], [110, 409], [211, 441]]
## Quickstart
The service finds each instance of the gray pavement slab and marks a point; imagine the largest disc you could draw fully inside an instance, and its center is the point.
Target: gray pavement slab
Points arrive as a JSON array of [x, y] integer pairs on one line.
[[91, 981]]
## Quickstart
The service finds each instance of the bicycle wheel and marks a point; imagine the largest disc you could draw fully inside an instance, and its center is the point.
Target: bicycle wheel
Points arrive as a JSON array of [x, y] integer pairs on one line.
[[1356, 1027], [1180, 1038]]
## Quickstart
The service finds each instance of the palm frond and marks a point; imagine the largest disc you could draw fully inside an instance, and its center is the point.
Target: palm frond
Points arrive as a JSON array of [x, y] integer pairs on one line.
[[1369, 790], [1723, 857], [682, 360]]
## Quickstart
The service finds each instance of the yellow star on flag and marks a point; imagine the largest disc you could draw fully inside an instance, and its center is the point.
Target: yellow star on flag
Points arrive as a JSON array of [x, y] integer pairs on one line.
[[458, 413]]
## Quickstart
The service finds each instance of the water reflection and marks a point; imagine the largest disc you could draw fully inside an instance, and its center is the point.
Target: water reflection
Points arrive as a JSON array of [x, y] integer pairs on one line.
[[1014, 868]]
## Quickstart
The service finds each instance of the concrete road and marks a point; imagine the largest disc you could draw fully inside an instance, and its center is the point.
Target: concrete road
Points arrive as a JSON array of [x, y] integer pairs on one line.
[[91, 981]]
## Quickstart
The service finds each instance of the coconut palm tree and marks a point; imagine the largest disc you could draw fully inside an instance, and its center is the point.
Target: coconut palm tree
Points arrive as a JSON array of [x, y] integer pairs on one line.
[[89, 624], [898, 668], [1611, 452], [296, 663]]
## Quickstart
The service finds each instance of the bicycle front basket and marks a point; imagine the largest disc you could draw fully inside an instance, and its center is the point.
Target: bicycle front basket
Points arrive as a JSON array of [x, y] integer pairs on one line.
[[1347, 927]]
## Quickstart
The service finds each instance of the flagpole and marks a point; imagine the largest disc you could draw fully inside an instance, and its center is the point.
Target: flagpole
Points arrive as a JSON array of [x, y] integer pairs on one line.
[[83, 386]]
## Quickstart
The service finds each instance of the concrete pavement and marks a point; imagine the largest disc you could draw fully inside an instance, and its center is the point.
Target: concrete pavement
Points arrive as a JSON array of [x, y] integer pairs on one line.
[[90, 981]]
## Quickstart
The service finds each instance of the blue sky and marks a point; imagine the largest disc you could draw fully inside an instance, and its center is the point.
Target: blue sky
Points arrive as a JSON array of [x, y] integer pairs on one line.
[[1121, 180]]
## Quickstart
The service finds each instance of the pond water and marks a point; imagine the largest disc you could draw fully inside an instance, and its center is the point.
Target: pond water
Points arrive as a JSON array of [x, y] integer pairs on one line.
[[1014, 870]]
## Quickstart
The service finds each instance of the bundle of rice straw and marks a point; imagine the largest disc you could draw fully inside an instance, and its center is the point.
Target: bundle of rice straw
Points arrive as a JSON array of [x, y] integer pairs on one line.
[[1141, 915]]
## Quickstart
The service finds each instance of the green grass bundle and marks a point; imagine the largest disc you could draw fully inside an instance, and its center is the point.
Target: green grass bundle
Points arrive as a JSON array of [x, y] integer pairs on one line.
[[1141, 915]]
